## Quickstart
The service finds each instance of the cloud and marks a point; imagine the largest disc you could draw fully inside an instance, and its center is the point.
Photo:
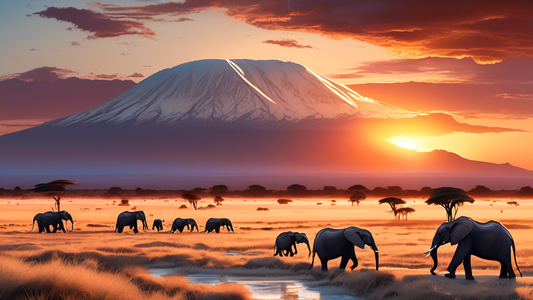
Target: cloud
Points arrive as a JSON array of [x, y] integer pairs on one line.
[[487, 32], [289, 43], [75, 44], [48, 74], [345, 76], [136, 75], [511, 70], [503, 100], [124, 54], [99, 24], [33, 49]]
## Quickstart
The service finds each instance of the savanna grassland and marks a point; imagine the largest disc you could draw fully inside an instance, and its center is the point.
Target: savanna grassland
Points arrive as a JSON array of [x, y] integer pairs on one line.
[[94, 262]]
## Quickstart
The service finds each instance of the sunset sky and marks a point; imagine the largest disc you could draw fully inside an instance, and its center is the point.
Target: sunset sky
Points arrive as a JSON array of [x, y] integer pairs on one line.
[[471, 59]]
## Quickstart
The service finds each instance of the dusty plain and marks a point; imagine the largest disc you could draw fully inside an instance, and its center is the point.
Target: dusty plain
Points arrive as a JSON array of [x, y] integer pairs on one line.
[[94, 262]]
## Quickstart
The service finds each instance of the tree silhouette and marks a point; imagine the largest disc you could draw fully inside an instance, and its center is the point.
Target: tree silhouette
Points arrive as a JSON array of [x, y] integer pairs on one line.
[[403, 211], [218, 200], [393, 202], [297, 189], [450, 199], [192, 199], [55, 189], [357, 187], [219, 189], [357, 196]]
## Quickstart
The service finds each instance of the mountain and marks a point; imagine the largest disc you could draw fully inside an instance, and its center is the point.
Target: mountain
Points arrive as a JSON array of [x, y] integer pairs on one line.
[[231, 91], [21, 99], [220, 118]]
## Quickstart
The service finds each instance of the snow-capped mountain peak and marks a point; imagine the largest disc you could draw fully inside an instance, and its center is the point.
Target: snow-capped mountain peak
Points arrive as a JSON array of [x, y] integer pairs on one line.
[[231, 91]]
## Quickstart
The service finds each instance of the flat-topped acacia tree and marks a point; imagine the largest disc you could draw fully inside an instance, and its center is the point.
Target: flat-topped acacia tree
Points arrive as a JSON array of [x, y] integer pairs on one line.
[[450, 199], [393, 202], [192, 199], [404, 211], [55, 189]]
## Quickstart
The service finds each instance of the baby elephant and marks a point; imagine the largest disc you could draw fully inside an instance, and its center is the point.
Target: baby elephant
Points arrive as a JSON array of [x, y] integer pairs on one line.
[[286, 240], [158, 224]]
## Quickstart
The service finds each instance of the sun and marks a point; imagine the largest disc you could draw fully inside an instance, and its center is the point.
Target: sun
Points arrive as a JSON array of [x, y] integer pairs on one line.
[[404, 142]]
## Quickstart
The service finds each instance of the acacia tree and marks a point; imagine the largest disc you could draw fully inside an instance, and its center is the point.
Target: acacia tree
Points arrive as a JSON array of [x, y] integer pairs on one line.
[[55, 189], [450, 199], [403, 211], [393, 202], [192, 199], [218, 200], [356, 197]]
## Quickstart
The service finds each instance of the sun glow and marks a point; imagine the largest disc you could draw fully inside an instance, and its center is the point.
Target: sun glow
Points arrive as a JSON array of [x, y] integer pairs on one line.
[[404, 142]]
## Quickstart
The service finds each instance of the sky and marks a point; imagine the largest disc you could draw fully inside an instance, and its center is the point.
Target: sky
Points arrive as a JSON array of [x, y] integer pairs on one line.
[[471, 59]]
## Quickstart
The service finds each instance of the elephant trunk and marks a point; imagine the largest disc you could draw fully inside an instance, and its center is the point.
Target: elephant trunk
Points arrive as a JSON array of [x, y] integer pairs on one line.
[[433, 254], [376, 253], [197, 230], [231, 227], [71, 222], [308, 248], [145, 224]]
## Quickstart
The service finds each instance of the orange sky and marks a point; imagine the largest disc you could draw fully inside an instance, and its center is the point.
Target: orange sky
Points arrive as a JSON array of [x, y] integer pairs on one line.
[[482, 54]]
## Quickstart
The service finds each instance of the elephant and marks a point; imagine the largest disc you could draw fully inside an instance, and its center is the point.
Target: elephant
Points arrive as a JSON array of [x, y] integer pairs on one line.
[[158, 224], [127, 218], [490, 240], [214, 224], [180, 223], [286, 240], [44, 220], [332, 243]]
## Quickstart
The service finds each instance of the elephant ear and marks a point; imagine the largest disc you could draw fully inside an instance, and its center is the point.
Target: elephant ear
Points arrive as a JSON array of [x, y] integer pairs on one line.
[[352, 235], [460, 229]]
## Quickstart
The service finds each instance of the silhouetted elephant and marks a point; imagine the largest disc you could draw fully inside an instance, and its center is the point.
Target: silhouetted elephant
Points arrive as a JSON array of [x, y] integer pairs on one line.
[[332, 243], [214, 224], [130, 219], [158, 224], [490, 240], [180, 223], [44, 220], [286, 240]]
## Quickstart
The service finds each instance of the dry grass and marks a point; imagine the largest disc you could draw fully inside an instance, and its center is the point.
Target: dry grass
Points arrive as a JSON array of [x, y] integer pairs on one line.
[[106, 264]]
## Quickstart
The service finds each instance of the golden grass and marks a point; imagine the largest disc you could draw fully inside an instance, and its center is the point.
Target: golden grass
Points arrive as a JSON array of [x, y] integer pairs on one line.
[[107, 265]]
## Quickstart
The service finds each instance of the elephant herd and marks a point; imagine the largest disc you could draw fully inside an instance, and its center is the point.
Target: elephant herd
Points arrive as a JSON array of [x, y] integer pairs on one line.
[[490, 240]]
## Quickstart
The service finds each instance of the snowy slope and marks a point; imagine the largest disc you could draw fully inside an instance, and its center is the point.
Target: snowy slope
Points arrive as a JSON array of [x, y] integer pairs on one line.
[[231, 91]]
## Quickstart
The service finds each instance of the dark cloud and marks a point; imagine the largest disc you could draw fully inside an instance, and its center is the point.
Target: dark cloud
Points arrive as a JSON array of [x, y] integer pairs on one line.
[[512, 70], [33, 49], [75, 44], [289, 43], [124, 54], [182, 20], [136, 75], [48, 74], [486, 31], [99, 24]]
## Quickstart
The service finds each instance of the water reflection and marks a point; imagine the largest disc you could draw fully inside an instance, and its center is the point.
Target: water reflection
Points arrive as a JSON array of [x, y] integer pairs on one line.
[[269, 288]]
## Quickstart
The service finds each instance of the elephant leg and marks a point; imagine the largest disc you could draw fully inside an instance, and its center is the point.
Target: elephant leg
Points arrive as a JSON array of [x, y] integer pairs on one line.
[[463, 249], [344, 262], [135, 228], [295, 250], [120, 229], [509, 266], [468, 268], [351, 255], [503, 270], [217, 230], [47, 228], [324, 263]]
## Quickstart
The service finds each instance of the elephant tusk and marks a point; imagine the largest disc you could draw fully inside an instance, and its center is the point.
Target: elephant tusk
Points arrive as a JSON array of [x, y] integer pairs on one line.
[[376, 251], [429, 251]]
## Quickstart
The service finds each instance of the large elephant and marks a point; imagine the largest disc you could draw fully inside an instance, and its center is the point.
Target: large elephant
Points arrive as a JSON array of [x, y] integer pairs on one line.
[[490, 240], [55, 219], [214, 224], [286, 240], [180, 223], [332, 243], [128, 218]]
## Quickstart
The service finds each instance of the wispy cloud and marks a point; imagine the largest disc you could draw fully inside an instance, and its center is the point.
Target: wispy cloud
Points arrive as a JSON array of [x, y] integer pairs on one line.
[[289, 43], [99, 25]]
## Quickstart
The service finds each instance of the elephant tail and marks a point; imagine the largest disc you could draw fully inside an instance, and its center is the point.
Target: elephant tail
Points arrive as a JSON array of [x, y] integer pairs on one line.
[[275, 250], [32, 225], [516, 263], [313, 260]]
